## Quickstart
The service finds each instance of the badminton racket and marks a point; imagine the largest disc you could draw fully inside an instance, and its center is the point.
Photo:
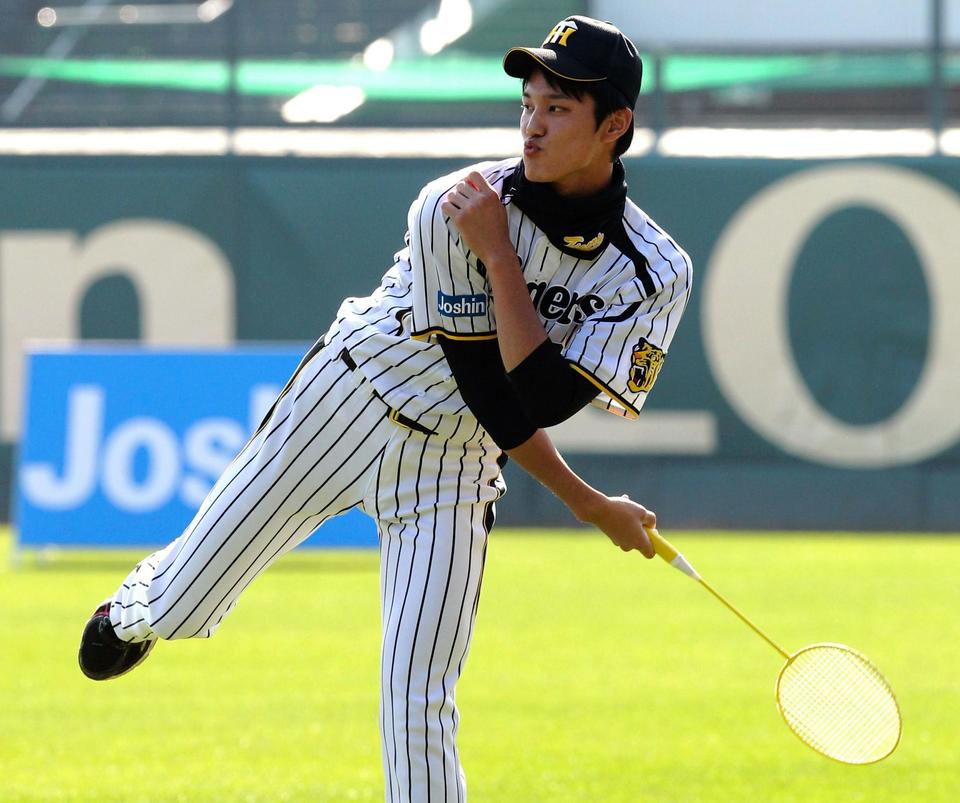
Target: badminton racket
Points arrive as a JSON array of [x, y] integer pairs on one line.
[[829, 695]]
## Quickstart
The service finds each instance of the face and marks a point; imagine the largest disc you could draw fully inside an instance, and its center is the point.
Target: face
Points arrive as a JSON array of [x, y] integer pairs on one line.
[[562, 144]]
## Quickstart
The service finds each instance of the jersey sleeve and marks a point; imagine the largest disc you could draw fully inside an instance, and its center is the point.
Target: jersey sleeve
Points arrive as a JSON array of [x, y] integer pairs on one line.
[[451, 295], [622, 349]]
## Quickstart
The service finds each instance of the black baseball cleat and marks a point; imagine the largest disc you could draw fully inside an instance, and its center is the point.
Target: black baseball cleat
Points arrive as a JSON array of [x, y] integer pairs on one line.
[[102, 654]]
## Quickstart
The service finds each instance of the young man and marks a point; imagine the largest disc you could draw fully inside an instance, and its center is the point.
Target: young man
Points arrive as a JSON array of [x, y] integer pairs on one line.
[[528, 288]]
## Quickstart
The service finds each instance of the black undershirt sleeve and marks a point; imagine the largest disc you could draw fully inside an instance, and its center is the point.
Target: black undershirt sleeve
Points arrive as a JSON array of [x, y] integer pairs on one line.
[[540, 392], [484, 386], [551, 389]]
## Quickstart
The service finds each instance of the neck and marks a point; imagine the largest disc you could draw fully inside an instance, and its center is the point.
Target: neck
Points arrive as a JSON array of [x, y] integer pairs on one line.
[[581, 186], [596, 207]]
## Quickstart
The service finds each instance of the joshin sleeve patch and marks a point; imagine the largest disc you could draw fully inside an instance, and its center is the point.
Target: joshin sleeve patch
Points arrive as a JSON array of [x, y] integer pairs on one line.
[[451, 295]]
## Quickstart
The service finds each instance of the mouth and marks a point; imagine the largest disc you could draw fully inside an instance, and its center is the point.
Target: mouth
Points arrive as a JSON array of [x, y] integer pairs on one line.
[[530, 148]]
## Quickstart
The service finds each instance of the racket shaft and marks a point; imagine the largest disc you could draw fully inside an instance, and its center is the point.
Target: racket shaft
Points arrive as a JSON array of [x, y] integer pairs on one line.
[[672, 555], [743, 618]]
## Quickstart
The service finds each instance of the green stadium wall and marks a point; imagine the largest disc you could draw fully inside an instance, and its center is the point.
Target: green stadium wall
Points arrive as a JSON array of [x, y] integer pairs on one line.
[[814, 382]]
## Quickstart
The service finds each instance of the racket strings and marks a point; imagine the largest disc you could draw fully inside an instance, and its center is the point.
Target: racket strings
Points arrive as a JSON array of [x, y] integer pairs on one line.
[[836, 701], [839, 704]]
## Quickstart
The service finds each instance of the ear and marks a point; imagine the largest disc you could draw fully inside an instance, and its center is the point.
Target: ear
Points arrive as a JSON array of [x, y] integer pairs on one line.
[[616, 124]]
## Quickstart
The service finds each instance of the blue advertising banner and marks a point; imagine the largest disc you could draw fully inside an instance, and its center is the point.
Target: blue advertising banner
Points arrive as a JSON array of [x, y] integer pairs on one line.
[[120, 446]]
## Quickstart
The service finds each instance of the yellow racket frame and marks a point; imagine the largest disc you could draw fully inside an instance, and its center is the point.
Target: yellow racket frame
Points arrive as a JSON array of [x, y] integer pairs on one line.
[[876, 672]]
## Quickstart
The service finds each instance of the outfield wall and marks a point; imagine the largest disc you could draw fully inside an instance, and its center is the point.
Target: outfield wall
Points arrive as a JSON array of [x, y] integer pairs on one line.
[[813, 382]]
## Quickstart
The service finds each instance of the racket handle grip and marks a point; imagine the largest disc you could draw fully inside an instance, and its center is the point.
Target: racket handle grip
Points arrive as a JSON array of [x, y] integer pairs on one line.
[[670, 553], [661, 545]]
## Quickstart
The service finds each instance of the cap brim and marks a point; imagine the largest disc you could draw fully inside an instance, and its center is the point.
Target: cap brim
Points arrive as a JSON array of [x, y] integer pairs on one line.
[[517, 63]]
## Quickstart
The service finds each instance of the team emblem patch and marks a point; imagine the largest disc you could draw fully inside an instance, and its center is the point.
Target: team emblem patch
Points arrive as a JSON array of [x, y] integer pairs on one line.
[[644, 366], [468, 306], [578, 243]]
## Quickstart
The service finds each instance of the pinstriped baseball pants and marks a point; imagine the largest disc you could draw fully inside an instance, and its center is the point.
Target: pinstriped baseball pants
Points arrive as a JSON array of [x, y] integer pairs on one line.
[[328, 446]]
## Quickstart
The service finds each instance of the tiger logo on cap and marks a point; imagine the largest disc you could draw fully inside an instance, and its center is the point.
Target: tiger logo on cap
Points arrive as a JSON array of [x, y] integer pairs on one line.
[[561, 32]]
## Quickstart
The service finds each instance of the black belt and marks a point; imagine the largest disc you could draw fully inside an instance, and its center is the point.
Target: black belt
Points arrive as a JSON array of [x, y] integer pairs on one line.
[[394, 415]]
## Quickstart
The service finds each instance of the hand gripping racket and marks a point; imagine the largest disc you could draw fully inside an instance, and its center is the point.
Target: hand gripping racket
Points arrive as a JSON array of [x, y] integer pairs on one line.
[[831, 696]]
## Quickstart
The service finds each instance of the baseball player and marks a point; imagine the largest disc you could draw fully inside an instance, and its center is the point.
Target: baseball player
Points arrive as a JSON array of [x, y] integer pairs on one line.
[[527, 289]]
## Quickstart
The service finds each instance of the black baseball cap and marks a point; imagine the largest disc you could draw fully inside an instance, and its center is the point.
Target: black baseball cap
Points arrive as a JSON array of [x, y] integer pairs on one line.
[[583, 49]]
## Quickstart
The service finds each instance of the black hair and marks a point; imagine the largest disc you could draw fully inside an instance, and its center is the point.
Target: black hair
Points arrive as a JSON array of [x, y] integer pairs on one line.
[[606, 100]]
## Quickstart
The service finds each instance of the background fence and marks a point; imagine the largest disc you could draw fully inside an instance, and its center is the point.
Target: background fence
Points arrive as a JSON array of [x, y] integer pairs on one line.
[[437, 63], [813, 382]]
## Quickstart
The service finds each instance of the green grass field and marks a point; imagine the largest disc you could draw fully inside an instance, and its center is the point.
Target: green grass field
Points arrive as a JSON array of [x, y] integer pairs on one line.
[[595, 676]]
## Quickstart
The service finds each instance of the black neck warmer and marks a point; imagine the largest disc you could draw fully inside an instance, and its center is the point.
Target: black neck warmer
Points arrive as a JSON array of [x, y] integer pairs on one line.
[[581, 227]]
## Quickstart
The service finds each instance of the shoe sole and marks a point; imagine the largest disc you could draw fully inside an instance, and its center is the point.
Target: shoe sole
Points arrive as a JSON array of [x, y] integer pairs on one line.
[[136, 663]]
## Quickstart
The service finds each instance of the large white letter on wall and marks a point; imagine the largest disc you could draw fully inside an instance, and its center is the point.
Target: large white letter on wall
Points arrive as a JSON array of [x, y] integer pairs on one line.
[[745, 326], [183, 281]]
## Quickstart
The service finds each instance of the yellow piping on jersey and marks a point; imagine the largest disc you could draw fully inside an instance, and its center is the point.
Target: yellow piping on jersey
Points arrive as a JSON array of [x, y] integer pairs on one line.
[[437, 331], [612, 394]]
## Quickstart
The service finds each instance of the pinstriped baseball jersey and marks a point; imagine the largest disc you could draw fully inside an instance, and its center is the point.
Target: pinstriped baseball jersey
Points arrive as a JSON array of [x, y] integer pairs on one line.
[[614, 316]]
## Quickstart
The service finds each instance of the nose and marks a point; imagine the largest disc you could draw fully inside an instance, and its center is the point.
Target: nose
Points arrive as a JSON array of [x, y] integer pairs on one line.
[[534, 123]]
